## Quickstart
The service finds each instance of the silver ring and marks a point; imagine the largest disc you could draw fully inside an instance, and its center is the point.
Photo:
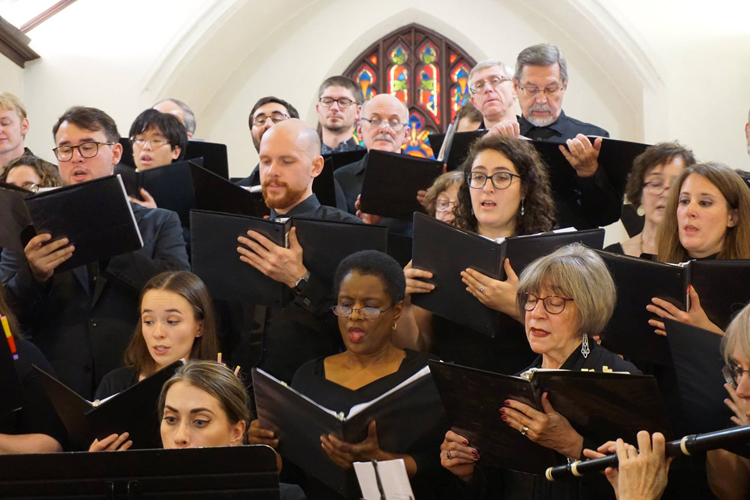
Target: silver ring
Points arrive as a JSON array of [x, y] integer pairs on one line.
[[524, 430], [481, 289], [448, 455]]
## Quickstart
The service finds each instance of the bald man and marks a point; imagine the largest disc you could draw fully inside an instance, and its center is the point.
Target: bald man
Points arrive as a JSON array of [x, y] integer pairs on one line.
[[306, 328]]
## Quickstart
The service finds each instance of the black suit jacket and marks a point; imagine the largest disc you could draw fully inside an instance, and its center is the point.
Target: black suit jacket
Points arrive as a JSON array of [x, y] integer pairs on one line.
[[83, 319]]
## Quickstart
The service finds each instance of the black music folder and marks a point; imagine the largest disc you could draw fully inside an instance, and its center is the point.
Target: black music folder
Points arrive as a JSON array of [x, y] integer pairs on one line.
[[216, 261], [298, 422], [599, 406], [11, 391], [697, 358], [133, 410], [721, 286], [339, 160], [16, 229], [95, 216], [392, 181], [446, 250], [324, 185], [615, 157], [236, 472], [458, 150], [324, 244], [214, 156], [400, 247], [213, 193]]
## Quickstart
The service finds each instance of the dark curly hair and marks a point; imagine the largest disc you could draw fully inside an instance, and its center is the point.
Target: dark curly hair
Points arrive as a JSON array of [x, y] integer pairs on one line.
[[535, 186]]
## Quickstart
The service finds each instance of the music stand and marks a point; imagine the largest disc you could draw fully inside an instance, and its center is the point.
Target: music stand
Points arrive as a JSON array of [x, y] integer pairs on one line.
[[239, 472]]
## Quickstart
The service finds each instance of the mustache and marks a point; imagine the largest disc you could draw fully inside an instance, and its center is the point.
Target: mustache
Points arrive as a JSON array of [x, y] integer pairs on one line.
[[383, 137], [277, 183], [540, 107]]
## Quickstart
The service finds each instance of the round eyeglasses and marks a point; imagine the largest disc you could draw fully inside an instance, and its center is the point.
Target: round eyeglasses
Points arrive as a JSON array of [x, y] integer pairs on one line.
[[392, 124], [85, 149], [343, 102], [501, 180], [366, 312], [553, 304], [277, 117], [733, 374], [494, 82]]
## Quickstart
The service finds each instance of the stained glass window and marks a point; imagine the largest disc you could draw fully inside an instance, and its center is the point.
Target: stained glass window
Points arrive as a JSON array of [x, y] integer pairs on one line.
[[425, 70]]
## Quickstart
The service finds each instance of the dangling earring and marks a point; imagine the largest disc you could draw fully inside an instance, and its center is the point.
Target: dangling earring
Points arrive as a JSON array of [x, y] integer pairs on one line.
[[523, 209], [394, 326], [585, 350], [641, 211]]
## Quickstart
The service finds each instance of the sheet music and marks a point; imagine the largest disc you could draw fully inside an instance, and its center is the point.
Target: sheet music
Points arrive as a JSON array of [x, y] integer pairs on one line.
[[393, 478]]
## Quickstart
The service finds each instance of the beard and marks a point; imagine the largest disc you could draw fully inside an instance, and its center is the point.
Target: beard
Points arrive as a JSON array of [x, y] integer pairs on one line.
[[287, 198], [541, 122]]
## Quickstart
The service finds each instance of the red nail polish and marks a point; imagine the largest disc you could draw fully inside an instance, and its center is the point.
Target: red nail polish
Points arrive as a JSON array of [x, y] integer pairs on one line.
[[505, 418], [502, 410], [466, 443], [507, 402]]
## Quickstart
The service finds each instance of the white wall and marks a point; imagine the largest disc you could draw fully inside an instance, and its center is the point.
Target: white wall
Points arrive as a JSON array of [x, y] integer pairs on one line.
[[11, 77]]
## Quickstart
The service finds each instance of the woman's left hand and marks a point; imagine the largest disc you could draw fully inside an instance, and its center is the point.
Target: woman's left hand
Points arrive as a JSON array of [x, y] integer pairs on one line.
[[345, 454], [739, 406], [548, 428], [696, 316], [495, 294]]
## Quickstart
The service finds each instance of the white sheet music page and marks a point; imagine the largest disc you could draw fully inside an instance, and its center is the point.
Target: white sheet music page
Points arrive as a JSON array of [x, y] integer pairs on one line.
[[393, 477]]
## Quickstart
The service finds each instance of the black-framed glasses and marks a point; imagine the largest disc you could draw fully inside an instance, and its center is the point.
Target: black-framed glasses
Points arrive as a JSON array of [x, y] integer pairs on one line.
[[553, 304], [733, 374], [550, 91], [501, 180], [85, 149], [275, 117], [655, 188], [366, 312], [444, 204], [394, 125], [495, 82], [343, 102], [154, 142]]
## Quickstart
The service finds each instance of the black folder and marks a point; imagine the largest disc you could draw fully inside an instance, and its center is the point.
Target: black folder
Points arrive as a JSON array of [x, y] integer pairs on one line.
[[698, 362], [11, 391], [446, 250], [339, 160], [324, 186], [214, 156], [216, 261], [400, 248], [721, 285], [599, 406], [133, 410], [458, 150], [228, 473], [95, 216], [216, 194], [16, 229], [299, 422], [392, 181]]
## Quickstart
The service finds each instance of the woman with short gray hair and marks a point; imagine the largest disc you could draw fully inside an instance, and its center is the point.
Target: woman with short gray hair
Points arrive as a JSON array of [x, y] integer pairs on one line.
[[566, 298]]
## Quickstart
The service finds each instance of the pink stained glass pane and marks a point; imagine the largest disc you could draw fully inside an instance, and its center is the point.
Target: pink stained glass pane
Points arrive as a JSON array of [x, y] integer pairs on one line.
[[428, 81], [366, 79]]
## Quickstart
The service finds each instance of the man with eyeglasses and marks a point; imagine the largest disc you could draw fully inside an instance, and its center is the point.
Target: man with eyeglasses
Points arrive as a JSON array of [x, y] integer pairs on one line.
[[338, 110], [383, 126], [493, 95], [266, 113], [83, 319]]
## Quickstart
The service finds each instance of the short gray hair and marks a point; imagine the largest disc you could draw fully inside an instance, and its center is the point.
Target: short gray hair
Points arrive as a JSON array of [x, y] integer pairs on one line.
[[543, 54], [578, 273], [488, 63], [190, 123], [737, 336]]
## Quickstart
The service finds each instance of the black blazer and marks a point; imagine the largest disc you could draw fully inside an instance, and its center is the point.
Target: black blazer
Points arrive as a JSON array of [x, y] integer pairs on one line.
[[83, 319]]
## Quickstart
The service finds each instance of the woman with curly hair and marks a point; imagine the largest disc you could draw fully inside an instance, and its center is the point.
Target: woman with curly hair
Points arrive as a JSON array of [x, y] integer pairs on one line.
[[506, 193]]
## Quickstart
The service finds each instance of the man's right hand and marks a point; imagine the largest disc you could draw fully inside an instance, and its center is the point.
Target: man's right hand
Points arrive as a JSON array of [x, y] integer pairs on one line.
[[44, 258], [507, 128]]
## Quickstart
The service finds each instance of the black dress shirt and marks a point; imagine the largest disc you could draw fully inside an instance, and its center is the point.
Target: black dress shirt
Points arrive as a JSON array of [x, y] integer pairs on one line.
[[350, 145], [306, 328]]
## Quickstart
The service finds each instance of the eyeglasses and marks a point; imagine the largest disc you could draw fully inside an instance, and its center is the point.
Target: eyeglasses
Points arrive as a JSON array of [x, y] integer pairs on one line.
[[552, 303], [366, 312], [30, 186], [495, 82], [277, 117], [501, 180], [534, 91], [655, 188], [85, 149], [394, 125], [343, 102], [444, 204], [733, 374], [155, 143]]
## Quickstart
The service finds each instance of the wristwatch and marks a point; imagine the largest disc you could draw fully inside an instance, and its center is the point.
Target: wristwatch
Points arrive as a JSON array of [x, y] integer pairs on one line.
[[301, 282]]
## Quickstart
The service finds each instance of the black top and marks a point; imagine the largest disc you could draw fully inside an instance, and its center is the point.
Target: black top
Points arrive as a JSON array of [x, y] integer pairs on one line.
[[617, 248], [491, 484], [564, 127], [311, 381], [37, 416], [305, 328], [350, 145], [117, 381]]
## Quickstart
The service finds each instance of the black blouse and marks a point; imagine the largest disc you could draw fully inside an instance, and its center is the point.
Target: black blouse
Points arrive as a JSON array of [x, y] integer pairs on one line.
[[117, 381], [37, 416], [617, 248]]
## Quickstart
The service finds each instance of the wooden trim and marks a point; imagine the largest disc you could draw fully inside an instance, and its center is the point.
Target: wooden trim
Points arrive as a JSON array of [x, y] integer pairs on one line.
[[14, 44], [37, 20]]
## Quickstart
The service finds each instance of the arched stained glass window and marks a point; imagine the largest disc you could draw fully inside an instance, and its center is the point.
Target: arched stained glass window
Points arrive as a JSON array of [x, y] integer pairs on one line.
[[425, 70]]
